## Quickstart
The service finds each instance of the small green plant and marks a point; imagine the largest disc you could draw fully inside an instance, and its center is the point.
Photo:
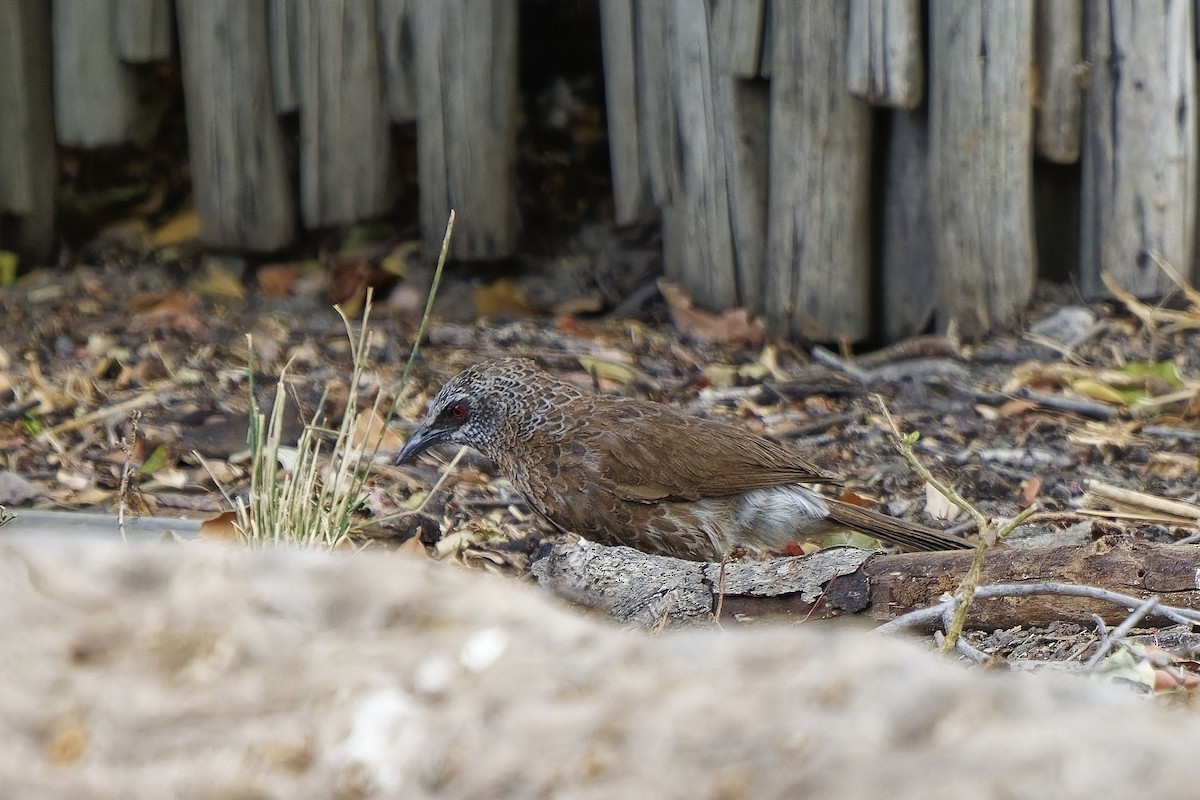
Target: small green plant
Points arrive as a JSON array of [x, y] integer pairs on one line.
[[307, 494]]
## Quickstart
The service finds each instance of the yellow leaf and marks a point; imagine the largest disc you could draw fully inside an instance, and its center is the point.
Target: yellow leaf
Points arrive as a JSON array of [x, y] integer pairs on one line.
[[1097, 390], [8, 267], [608, 369], [179, 229]]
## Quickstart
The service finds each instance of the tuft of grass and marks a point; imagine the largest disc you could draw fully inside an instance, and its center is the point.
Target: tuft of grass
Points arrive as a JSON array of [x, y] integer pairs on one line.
[[306, 495]]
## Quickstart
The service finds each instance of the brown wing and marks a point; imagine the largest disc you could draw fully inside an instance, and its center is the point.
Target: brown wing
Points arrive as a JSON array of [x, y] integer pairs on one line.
[[647, 452]]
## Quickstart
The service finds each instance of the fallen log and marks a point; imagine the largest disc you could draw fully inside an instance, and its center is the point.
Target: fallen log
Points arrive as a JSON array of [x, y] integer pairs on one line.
[[652, 591]]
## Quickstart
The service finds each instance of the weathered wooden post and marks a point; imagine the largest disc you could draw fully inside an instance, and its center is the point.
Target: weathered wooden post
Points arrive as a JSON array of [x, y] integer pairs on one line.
[[981, 159], [466, 57], [239, 168], [818, 214], [1139, 145]]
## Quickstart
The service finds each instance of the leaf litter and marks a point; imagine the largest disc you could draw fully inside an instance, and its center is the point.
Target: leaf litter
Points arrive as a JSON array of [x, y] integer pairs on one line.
[[84, 349]]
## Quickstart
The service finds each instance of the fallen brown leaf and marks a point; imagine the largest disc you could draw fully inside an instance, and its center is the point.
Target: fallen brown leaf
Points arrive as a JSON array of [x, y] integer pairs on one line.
[[729, 327], [220, 528], [503, 298], [276, 280]]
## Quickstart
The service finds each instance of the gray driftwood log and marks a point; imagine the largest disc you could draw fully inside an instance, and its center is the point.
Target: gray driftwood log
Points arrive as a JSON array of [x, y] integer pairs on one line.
[[1060, 70], [631, 182], [345, 134], [981, 160], [28, 163], [399, 58], [283, 23], [466, 68], [818, 214], [885, 61], [1139, 145], [701, 254], [95, 98], [651, 591], [143, 30], [908, 275], [239, 164], [742, 105]]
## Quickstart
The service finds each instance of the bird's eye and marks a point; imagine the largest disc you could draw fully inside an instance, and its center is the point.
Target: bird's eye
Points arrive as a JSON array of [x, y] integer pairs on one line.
[[458, 411]]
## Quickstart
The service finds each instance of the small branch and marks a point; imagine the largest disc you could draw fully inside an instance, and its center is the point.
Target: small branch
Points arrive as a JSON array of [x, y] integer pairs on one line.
[[433, 490], [1122, 630], [927, 616], [829, 359], [1075, 405], [1137, 500]]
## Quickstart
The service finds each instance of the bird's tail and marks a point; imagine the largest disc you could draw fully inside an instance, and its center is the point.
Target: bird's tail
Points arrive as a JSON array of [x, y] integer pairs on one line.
[[908, 535]]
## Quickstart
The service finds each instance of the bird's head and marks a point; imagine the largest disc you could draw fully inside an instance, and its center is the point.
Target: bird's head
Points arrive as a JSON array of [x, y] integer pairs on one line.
[[490, 406]]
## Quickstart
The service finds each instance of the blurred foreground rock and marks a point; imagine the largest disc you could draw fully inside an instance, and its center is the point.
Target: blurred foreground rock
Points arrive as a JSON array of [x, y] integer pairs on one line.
[[194, 671]]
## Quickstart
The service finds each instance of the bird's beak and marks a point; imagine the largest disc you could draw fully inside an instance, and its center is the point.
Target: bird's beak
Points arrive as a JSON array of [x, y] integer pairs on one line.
[[421, 440]]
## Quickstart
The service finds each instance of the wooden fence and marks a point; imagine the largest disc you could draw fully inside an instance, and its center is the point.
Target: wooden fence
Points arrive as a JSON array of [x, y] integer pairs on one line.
[[845, 167]]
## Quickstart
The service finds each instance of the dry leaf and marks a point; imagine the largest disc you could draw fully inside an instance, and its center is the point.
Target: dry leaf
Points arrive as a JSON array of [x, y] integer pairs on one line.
[[181, 228], [168, 311], [608, 370], [370, 428], [397, 260], [221, 528], [1030, 490], [219, 280], [938, 506], [276, 280], [729, 327], [503, 298]]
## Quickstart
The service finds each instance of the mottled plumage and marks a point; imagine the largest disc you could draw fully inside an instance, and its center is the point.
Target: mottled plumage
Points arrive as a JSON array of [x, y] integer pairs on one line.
[[637, 473]]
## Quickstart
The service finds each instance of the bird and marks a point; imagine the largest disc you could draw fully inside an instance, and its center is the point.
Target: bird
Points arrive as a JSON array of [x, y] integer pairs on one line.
[[624, 471]]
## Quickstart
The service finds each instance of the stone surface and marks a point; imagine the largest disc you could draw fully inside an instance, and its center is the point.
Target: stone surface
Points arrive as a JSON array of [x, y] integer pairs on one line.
[[199, 671]]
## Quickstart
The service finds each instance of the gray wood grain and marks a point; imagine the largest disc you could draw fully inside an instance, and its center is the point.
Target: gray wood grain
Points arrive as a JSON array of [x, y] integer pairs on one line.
[[94, 93], [708, 269], [345, 138], [283, 26], [657, 117], [885, 59], [143, 30], [631, 184], [818, 219], [1139, 145], [742, 24], [1059, 39], [907, 257], [399, 58], [28, 163], [741, 110], [981, 156], [240, 174], [467, 123]]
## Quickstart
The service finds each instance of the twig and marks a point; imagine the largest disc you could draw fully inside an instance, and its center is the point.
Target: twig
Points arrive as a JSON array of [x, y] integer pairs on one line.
[[966, 587], [433, 490], [927, 616], [126, 470], [829, 359], [1119, 632], [145, 398], [1075, 405], [1172, 432], [961, 645], [1136, 500]]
